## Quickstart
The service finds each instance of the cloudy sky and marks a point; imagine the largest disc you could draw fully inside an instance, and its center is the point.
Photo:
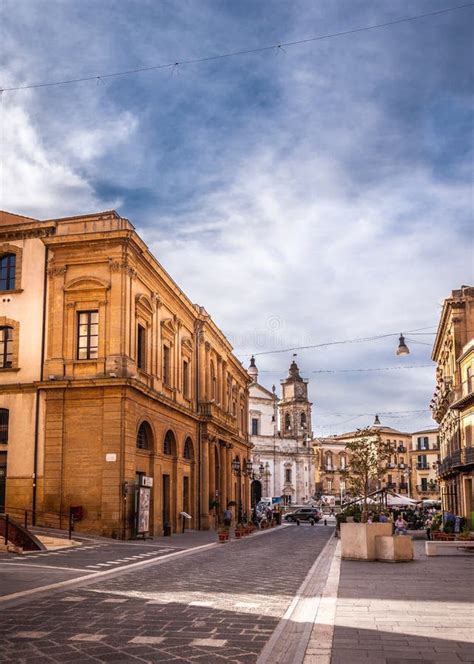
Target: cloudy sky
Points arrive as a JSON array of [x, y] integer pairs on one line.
[[305, 194]]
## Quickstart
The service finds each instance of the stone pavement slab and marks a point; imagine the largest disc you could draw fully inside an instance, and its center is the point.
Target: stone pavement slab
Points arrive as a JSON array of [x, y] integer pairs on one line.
[[397, 613], [217, 605]]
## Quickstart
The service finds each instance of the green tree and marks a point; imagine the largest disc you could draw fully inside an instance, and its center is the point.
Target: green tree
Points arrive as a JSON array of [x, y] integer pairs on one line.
[[368, 461]]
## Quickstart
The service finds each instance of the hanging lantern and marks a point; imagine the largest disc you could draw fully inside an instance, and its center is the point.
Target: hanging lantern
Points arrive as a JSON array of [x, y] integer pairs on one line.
[[402, 347]]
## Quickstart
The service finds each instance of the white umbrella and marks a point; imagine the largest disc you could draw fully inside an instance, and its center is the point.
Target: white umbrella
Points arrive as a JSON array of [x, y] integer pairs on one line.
[[394, 500]]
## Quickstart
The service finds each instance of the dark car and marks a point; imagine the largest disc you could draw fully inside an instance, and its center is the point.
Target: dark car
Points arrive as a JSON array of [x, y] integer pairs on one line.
[[311, 514]]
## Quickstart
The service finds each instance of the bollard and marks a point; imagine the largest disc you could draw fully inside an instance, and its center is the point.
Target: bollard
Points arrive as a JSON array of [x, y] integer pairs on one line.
[[325, 522]]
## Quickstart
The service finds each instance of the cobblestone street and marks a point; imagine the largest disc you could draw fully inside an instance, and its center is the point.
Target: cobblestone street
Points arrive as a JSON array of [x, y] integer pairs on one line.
[[220, 604]]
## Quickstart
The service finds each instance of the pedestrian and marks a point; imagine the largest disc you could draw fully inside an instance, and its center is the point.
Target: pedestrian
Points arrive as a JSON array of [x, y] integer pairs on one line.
[[428, 525], [400, 526], [383, 518], [227, 517]]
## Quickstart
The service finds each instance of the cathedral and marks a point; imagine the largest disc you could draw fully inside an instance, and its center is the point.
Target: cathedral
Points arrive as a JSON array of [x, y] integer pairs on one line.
[[281, 434]]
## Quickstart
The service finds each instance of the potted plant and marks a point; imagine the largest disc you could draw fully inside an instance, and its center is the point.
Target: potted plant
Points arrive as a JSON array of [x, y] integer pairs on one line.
[[369, 454], [239, 531], [223, 534]]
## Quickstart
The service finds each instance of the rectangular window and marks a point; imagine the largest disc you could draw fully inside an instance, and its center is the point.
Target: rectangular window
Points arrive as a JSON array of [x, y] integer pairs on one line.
[[87, 335], [288, 475], [7, 272], [424, 484], [166, 365], [423, 443], [185, 380], [141, 347], [422, 461], [254, 426], [6, 347], [4, 416]]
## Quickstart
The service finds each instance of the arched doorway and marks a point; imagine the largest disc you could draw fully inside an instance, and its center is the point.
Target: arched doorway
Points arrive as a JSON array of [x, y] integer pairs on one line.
[[168, 497], [255, 492]]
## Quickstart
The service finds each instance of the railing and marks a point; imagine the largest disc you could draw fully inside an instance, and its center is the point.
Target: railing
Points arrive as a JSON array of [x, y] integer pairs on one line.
[[422, 466], [29, 519], [403, 486], [460, 392], [390, 485], [434, 488], [402, 465], [401, 448], [456, 458], [211, 410]]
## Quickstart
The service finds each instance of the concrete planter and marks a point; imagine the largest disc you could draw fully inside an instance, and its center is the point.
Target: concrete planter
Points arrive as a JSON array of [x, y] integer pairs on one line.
[[394, 548], [358, 539]]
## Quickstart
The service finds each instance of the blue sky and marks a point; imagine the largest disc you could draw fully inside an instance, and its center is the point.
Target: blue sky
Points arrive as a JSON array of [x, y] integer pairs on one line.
[[313, 194]]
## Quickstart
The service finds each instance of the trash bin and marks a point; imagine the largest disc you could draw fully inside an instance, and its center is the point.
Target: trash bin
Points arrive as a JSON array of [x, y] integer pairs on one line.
[[277, 517], [167, 530]]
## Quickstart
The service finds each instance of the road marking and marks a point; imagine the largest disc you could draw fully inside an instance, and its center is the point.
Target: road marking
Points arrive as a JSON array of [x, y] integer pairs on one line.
[[109, 572], [214, 643], [86, 637], [114, 601], [147, 639], [30, 635], [20, 564], [73, 599]]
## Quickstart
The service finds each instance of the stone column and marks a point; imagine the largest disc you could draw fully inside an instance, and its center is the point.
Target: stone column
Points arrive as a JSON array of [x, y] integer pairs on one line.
[[212, 475], [223, 476], [204, 484]]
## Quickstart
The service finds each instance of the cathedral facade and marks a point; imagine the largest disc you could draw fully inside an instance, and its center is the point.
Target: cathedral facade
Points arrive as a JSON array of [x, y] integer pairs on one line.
[[280, 434]]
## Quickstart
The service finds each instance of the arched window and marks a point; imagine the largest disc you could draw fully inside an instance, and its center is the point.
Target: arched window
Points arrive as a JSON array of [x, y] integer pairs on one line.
[[188, 449], [169, 443], [6, 347], [287, 422], [343, 461], [303, 419], [144, 437], [7, 272], [4, 416]]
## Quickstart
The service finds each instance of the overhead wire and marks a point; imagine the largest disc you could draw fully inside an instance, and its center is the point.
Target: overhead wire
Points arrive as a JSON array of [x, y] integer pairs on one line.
[[233, 54]]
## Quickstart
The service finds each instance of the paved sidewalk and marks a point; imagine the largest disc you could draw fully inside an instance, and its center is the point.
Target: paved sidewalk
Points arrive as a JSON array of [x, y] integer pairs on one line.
[[400, 613]]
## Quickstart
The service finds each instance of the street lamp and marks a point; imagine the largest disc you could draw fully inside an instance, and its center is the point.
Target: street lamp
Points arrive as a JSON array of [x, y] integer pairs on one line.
[[402, 347]]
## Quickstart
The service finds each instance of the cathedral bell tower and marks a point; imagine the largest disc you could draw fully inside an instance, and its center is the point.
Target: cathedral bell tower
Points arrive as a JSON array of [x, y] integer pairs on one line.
[[294, 407]]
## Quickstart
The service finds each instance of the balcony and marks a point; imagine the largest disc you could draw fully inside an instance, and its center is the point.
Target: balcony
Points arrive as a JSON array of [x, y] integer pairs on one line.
[[431, 488], [390, 485], [422, 466], [401, 448], [463, 395], [212, 411], [402, 465], [329, 469], [403, 486], [390, 465], [441, 399]]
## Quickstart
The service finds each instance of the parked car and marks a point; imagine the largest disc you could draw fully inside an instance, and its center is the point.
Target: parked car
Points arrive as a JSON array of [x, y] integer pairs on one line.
[[304, 514]]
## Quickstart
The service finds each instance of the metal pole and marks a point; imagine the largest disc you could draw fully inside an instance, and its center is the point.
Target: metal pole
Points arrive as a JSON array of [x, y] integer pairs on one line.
[[71, 522], [6, 529], [26, 518]]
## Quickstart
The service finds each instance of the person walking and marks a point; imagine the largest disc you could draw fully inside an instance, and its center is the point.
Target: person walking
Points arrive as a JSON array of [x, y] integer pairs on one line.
[[227, 517]]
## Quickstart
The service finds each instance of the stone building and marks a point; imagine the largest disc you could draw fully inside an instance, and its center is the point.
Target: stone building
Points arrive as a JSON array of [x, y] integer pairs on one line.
[[452, 404], [424, 460], [114, 386], [280, 431], [333, 463]]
